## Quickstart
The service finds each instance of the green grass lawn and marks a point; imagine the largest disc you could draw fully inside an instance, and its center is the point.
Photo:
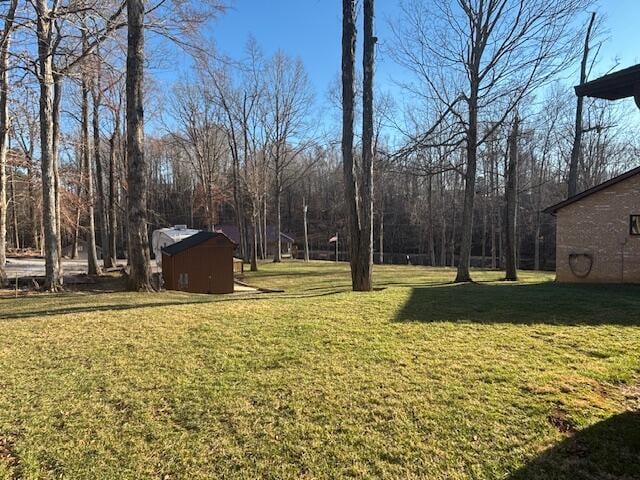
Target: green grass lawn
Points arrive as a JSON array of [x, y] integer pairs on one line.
[[419, 379]]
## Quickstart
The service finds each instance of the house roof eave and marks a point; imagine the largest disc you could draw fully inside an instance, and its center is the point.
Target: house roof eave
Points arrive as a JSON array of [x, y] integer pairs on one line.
[[553, 209]]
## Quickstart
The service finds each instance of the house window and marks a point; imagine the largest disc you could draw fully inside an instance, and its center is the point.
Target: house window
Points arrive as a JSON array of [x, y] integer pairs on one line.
[[634, 225], [183, 280]]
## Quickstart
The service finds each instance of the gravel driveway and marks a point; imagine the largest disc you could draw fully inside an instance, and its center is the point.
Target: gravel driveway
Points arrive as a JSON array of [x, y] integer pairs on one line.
[[34, 267]]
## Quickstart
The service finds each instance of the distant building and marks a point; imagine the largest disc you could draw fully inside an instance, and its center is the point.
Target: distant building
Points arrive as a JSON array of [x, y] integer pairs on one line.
[[598, 232], [201, 263], [288, 242], [82, 252]]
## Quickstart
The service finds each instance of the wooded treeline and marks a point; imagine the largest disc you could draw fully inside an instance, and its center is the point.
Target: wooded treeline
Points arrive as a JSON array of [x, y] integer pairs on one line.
[[465, 153]]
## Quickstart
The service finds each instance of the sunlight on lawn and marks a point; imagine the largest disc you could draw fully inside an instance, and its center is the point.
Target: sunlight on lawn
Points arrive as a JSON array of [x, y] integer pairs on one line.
[[419, 379]]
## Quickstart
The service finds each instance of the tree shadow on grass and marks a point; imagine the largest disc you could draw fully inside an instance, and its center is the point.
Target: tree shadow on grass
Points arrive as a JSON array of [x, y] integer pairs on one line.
[[544, 303], [193, 299], [69, 310], [607, 450]]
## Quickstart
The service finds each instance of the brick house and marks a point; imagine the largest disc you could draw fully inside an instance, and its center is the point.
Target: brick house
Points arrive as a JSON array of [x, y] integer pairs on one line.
[[598, 232]]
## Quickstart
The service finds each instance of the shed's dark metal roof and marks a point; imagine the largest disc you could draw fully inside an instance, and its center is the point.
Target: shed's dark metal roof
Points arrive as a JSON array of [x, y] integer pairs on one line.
[[614, 86], [193, 241], [554, 208]]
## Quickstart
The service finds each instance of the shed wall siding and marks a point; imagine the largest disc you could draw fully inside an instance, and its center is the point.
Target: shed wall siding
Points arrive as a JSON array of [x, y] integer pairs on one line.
[[167, 271], [209, 267], [598, 225]]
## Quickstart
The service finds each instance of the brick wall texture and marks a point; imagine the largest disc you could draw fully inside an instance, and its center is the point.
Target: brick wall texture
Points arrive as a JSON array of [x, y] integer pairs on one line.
[[594, 232]]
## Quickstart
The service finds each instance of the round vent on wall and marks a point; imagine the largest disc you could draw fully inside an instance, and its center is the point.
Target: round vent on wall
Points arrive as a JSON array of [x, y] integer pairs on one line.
[[581, 264]]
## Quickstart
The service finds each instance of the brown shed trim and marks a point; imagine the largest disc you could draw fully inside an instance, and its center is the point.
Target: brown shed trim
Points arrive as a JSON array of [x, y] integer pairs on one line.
[[554, 208]]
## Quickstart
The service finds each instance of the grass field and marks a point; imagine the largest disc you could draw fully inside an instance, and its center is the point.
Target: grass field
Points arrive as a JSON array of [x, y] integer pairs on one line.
[[419, 379]]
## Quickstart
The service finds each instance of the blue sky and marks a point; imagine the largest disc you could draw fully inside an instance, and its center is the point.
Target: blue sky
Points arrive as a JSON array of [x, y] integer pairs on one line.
[[311, 29]]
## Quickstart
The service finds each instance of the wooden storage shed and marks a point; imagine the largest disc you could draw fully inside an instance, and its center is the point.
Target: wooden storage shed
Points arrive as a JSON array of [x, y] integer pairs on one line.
[[201, 263]]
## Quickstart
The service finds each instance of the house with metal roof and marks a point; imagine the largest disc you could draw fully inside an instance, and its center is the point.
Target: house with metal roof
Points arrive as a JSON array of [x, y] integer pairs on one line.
[[287, 241]]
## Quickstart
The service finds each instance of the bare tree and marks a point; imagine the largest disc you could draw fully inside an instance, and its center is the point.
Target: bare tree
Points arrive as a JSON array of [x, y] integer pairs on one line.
[[203, 140], [46, 80], [359, 198], [349, 33], [511, 206], [50, 36], [5, 39], [25, 131], [549, 137], [92, 257], [229, 100], [285, 112], [137, 167], [494, 52], [96, 94], [79, 207], [364, 270], [112, 98], [572, 180]]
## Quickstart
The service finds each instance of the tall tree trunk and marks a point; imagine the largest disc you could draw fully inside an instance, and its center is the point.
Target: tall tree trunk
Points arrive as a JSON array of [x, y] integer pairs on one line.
[[493, 187], [53, 280], [500, 235], [511, 207], [113, 213], [265, 235], [4, 135], [454, 214], [277, 256], [305, 207], [365, 270], [536, 246], [137, 168], [484, 231], [33, 214], [483, 240], [348, 107], [464, 262], [107, 256], [210, 206], [80, 191], [14, 209], [430, 227], [381, 232], [92, 258], [57, 100], [261, 226], [254, 244], [239, 210], [443, 221], [574, 162], [538, 213]]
